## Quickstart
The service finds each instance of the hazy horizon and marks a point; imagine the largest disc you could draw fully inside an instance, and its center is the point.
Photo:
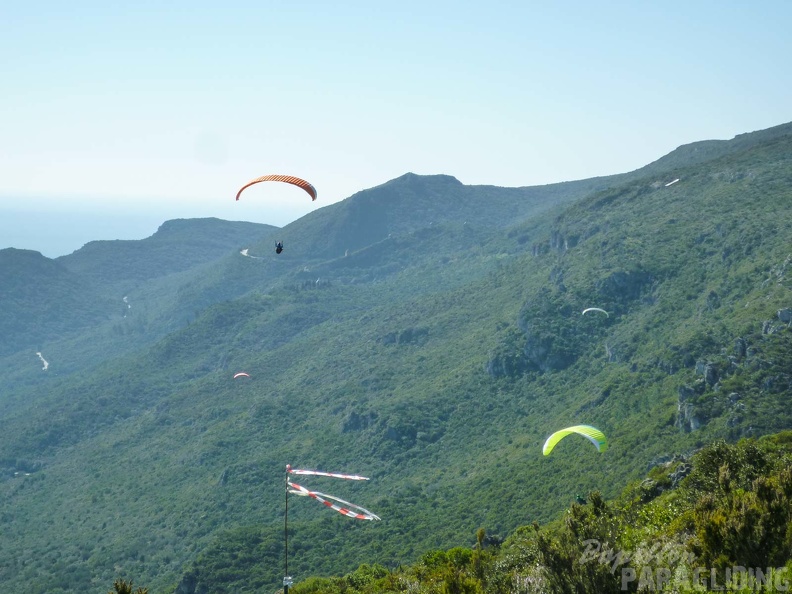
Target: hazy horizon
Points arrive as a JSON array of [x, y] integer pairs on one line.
[[173, 108], [61, 233]]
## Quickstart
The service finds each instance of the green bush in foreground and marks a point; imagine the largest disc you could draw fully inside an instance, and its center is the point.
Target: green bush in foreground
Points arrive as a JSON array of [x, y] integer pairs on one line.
[[726, 525]]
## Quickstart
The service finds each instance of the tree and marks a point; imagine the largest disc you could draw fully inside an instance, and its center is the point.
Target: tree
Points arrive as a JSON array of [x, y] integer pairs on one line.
[[121, 587]]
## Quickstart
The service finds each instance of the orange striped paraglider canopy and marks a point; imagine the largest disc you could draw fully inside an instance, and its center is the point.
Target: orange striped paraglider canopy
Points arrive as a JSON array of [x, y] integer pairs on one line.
[[289, 179]]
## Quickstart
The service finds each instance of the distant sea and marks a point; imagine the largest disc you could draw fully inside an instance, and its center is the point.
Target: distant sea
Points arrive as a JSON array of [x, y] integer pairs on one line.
[[59, 233], [51, 227]]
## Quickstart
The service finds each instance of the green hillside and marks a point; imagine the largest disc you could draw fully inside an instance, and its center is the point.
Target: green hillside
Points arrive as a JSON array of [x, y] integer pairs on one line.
[[176, 246], [435, 356], [41, 299], [102, 301], [716, 521]]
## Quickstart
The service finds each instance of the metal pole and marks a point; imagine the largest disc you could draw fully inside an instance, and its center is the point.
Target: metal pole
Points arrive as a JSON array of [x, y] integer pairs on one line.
[[286, 578]]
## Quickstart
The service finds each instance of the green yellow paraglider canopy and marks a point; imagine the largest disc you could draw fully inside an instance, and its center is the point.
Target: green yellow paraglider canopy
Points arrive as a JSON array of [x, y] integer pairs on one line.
[[593, 434]]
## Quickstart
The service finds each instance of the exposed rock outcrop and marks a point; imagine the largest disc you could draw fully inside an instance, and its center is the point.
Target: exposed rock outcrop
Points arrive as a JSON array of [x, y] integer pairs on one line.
[[406, 336], [679, 473], [190, 584], [506, 365], [688, 418], [623, 286], [357, 422]]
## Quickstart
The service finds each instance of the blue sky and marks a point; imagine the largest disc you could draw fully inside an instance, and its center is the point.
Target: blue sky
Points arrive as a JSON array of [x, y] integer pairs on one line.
[[139, 112]]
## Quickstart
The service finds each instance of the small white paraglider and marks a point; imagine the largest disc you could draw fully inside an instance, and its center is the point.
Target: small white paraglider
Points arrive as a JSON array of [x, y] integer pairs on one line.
[[588, 309]]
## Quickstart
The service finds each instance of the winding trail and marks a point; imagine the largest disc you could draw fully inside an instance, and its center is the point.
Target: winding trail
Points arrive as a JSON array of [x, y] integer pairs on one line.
[[245, 253], [44, 361]]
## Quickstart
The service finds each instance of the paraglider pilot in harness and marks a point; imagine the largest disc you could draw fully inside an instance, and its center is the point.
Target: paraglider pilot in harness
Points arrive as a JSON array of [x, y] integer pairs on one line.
[[279, 247]]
